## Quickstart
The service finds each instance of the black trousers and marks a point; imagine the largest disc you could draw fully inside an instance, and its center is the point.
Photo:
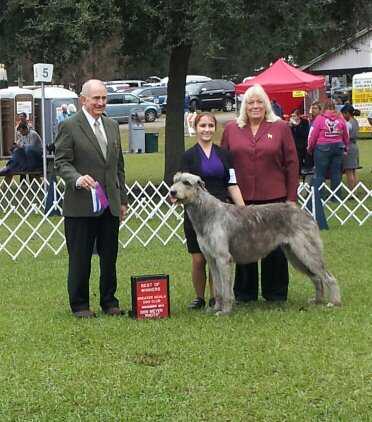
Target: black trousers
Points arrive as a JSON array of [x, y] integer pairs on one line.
[[274, 276], [81, 234]]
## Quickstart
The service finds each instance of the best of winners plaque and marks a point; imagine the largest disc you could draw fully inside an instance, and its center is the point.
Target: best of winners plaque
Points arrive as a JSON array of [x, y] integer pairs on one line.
[[150, 296]]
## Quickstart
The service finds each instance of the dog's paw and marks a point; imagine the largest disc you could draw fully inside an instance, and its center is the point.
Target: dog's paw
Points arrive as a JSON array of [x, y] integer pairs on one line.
[[332, 305], [224, 312], [210, 310], [315, 301]]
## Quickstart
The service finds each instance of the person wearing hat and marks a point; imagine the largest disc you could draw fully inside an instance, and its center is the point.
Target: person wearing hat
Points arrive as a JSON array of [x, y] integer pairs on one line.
[[351, 159]]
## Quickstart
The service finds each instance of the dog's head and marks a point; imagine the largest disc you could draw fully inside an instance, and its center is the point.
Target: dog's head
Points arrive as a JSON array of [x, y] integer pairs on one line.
[[185, 187]]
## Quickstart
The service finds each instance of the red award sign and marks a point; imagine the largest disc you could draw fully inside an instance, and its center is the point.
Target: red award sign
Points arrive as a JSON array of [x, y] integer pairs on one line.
[[150, 296]]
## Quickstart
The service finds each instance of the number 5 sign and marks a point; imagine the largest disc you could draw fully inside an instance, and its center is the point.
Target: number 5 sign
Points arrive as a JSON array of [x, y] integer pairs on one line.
[[43, 72]]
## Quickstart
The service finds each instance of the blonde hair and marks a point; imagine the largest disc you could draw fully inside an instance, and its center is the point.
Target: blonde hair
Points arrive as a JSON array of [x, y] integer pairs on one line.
[[256, 91]]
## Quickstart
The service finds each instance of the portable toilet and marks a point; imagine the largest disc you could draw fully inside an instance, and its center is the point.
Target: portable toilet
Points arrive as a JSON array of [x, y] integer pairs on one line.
[[14, 102], [54, 98]]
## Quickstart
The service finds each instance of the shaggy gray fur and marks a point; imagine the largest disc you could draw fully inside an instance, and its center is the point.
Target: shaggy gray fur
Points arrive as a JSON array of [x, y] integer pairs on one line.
[[228, 233]]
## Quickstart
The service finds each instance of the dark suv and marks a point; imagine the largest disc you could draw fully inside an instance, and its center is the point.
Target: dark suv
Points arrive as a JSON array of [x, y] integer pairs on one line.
[[154, 94], [216, 93]]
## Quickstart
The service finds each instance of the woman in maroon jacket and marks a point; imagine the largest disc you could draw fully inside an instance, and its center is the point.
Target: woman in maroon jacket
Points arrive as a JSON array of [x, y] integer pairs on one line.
[[266, 166]]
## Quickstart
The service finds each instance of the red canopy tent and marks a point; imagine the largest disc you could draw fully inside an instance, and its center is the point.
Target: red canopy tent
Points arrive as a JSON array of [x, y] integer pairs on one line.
[[280, 80]]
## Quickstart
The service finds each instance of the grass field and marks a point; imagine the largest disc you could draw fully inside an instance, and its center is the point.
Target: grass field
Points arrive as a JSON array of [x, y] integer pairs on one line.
[[293, 362]]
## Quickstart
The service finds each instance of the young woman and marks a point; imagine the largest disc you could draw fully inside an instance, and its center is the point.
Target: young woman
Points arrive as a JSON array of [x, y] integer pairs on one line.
[[214, 165]]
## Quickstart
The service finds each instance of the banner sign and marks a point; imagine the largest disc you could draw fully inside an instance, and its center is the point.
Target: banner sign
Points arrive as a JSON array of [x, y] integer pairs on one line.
[[150, 296], [362, 100], [298, 94]]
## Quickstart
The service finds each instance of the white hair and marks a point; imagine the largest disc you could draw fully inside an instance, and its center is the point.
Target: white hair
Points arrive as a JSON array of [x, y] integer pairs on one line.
[[256, 91], [71, 108]]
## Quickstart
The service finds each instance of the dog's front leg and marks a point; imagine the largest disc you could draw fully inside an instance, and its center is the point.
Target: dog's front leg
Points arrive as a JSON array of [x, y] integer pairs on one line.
[[217, 287], [223, 264]]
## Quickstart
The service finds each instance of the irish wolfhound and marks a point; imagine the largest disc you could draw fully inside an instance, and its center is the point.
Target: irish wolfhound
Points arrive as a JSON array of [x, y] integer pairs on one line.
[[228, 233]]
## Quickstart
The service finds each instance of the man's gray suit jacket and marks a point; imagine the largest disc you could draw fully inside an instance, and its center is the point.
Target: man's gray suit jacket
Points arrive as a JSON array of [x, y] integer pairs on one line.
[[78, 153]]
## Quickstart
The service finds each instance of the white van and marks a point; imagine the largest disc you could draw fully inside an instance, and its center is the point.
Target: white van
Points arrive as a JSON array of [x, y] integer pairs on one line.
[[126, 83]]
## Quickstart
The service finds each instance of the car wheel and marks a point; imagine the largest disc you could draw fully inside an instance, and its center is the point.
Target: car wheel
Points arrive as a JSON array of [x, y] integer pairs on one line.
[[193, 105], [228, 104], [150, 115]]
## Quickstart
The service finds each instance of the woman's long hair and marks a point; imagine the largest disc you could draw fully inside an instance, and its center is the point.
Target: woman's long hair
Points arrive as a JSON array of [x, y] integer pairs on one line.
[[256, 90]]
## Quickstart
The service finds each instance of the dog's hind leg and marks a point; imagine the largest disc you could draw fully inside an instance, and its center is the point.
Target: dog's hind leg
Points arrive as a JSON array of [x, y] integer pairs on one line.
[[297, 257], [334, 290], [305, 254]]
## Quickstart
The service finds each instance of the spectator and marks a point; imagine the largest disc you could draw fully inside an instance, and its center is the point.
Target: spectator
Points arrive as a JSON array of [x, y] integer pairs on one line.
[[71, 110], [62, 115], [315, 110], [266, 165], [277, 109], [300, 131], [338, 103], [214, 165], [329, 141], [351, 160], [22, 118], [27, 152]]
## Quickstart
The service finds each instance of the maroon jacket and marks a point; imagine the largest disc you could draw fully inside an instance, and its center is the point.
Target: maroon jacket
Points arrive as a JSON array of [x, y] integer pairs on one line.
[[266, 165]]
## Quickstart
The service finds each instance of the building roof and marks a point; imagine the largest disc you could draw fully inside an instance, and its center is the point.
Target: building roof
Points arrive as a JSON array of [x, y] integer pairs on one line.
[[353, 53], [53, 92], [12, 91]]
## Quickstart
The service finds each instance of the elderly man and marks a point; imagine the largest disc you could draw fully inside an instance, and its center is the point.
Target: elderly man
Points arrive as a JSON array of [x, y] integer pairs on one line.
[[89, 159]]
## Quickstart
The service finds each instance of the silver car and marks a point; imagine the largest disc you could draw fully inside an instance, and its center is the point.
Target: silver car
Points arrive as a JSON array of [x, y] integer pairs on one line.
[[120, 105]]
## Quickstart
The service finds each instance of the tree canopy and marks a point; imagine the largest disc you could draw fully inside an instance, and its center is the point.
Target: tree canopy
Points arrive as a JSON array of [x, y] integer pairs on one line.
[[91, 38]]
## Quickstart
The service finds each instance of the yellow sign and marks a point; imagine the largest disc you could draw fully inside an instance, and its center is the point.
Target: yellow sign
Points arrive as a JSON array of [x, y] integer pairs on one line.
[[298, 94], [362, 100]]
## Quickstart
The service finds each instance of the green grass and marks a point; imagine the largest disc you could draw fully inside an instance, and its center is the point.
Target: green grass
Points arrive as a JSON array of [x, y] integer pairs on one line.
[[293, 362], [145, 167]]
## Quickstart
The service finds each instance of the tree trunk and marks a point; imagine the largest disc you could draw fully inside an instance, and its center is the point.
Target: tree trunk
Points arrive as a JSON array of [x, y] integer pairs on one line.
[[174, 130]]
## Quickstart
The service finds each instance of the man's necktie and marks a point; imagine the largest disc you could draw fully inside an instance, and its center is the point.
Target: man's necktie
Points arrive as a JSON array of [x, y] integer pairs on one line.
[[100, 138]]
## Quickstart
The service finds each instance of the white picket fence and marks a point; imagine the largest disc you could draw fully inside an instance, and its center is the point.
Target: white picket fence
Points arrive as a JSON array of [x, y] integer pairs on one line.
[[26, 226]]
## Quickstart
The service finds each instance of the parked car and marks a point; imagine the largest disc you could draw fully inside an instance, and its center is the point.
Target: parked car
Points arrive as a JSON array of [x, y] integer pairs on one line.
[[163, 104], [120, 105], [190, 79], [130, 82], [154, 94], [116, 87], [213, 94], [153, 80]]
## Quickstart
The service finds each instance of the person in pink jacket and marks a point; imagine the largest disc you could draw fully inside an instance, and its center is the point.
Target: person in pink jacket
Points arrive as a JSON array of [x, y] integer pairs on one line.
[[328, 141]]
